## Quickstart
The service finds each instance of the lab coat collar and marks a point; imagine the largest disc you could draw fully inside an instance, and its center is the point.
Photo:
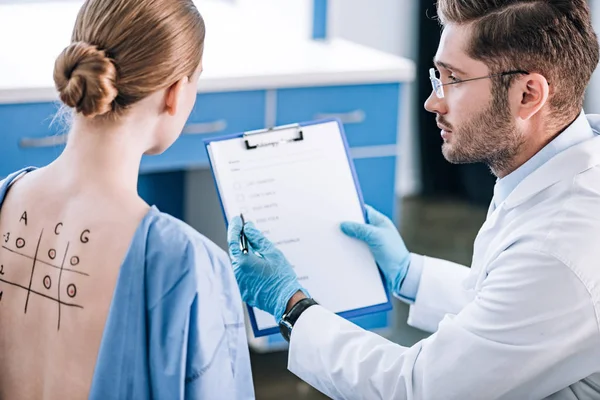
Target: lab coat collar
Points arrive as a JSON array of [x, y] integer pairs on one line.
[[578, 132], [565, 164]]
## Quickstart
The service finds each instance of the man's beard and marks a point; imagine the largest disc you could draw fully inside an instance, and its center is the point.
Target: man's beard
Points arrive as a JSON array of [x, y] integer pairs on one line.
[[490, 137]]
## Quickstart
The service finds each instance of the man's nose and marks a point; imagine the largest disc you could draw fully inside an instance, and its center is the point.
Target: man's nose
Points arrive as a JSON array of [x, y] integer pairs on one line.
[[434, 104]]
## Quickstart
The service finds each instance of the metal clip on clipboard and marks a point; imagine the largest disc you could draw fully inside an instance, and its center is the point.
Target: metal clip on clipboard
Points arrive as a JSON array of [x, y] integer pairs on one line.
[[273, 136]]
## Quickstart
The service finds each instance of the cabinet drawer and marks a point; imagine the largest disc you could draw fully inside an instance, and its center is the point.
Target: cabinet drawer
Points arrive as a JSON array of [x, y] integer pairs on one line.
[[28, 136], [369, 112], [213, 115]]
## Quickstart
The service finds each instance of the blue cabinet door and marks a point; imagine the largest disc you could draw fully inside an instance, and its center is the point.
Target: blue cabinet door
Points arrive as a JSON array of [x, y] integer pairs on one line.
[[369, 112], [165, 190], [28, 137], [377, 177]]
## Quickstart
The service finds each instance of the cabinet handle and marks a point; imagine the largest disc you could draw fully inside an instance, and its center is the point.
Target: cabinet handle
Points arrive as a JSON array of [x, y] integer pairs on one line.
[[189, 129], [46, 141], [352, 117], [205, 128]]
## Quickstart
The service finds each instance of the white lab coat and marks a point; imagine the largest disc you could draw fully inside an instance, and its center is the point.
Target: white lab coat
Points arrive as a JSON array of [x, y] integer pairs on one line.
[[521, 323]]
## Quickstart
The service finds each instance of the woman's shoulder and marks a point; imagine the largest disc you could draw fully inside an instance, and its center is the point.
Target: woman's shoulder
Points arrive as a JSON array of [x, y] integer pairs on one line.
[[5, 182], [174, 235], [178, 255]]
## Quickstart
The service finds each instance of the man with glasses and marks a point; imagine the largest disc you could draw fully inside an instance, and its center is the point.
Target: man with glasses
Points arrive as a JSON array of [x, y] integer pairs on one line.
[[524, 321]]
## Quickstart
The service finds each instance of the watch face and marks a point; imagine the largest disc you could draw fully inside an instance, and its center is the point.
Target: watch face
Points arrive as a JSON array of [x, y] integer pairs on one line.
[[285, 328], [288, 320]]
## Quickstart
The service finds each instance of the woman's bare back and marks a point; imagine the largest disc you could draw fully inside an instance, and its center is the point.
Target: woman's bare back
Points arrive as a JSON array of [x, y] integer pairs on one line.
[[62, 246]]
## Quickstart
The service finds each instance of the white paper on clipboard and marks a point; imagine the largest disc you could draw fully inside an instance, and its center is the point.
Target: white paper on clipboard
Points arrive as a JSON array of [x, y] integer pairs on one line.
[[297, 192]]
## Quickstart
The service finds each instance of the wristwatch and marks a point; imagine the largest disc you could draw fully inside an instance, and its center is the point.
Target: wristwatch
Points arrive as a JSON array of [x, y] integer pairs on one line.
[[289, 319]]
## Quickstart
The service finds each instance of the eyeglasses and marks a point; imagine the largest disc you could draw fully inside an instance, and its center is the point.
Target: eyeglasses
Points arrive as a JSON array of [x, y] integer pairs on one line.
[[438, 86]]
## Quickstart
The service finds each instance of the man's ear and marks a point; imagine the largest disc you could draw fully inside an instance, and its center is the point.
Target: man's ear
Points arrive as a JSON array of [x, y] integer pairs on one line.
[[533, 92], [173, 96]]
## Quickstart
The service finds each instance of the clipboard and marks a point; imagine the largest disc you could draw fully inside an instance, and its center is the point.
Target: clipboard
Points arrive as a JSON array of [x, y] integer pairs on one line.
[[285, 137]]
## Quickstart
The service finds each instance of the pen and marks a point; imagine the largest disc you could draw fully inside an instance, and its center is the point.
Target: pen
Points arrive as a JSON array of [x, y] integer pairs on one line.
[[243, 239]]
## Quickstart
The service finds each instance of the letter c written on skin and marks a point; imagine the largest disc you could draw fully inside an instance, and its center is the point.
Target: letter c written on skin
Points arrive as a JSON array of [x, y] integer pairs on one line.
[[83, 237]]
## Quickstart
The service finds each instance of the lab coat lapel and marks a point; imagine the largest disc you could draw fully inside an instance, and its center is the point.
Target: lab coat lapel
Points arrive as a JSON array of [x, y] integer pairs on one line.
[[482, 240], [482, 243], [563, 166]]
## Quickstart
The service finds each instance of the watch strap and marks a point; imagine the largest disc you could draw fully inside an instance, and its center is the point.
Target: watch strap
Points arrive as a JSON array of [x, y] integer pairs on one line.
[[289, 319]]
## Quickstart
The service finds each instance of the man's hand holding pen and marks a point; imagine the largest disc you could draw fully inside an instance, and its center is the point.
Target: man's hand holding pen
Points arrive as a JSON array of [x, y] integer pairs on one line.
[[266, 279], [243, 238]]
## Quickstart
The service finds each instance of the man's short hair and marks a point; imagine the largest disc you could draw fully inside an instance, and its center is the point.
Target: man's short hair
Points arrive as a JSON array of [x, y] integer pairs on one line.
[[554, 38]]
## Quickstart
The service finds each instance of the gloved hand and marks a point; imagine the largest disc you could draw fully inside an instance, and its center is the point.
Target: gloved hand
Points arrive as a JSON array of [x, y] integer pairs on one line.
[[267, 281], [384, 241]]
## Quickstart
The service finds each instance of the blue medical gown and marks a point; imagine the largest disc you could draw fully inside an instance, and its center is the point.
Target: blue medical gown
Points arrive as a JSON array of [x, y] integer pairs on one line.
[[175, 329]]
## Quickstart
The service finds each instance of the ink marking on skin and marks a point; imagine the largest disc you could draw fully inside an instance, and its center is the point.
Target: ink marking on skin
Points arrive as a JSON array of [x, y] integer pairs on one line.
[[44, 262], [32, 267], [24, 218], [71, 290], [59, 280], [84, 238], [41, 294], [47, 282]]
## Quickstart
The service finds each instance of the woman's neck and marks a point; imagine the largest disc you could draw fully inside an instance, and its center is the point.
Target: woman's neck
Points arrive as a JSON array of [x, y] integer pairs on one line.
[[105, 155]]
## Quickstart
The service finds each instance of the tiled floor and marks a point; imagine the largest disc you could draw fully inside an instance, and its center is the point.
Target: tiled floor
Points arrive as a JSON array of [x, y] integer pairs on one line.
[[440, 228]]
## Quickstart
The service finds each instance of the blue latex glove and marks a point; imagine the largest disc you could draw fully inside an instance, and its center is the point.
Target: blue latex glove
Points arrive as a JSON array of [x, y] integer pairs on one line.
[[384, 241], [267, 281]]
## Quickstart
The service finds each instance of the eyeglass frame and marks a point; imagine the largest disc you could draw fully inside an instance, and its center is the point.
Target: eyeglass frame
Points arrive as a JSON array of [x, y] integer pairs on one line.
[[437, 83]]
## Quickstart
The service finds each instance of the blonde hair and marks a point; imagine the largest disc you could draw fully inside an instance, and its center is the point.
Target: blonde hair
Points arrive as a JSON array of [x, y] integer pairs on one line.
[[124, 50]]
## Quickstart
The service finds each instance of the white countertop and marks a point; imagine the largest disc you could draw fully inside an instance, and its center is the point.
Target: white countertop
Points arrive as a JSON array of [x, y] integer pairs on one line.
[[242, 52]]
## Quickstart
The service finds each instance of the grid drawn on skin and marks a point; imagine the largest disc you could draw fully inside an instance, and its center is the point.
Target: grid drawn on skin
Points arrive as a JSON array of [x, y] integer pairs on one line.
[[71, 289]]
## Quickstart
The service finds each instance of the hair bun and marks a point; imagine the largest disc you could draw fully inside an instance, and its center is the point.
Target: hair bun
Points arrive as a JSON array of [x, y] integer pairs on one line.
[[86, 79]]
